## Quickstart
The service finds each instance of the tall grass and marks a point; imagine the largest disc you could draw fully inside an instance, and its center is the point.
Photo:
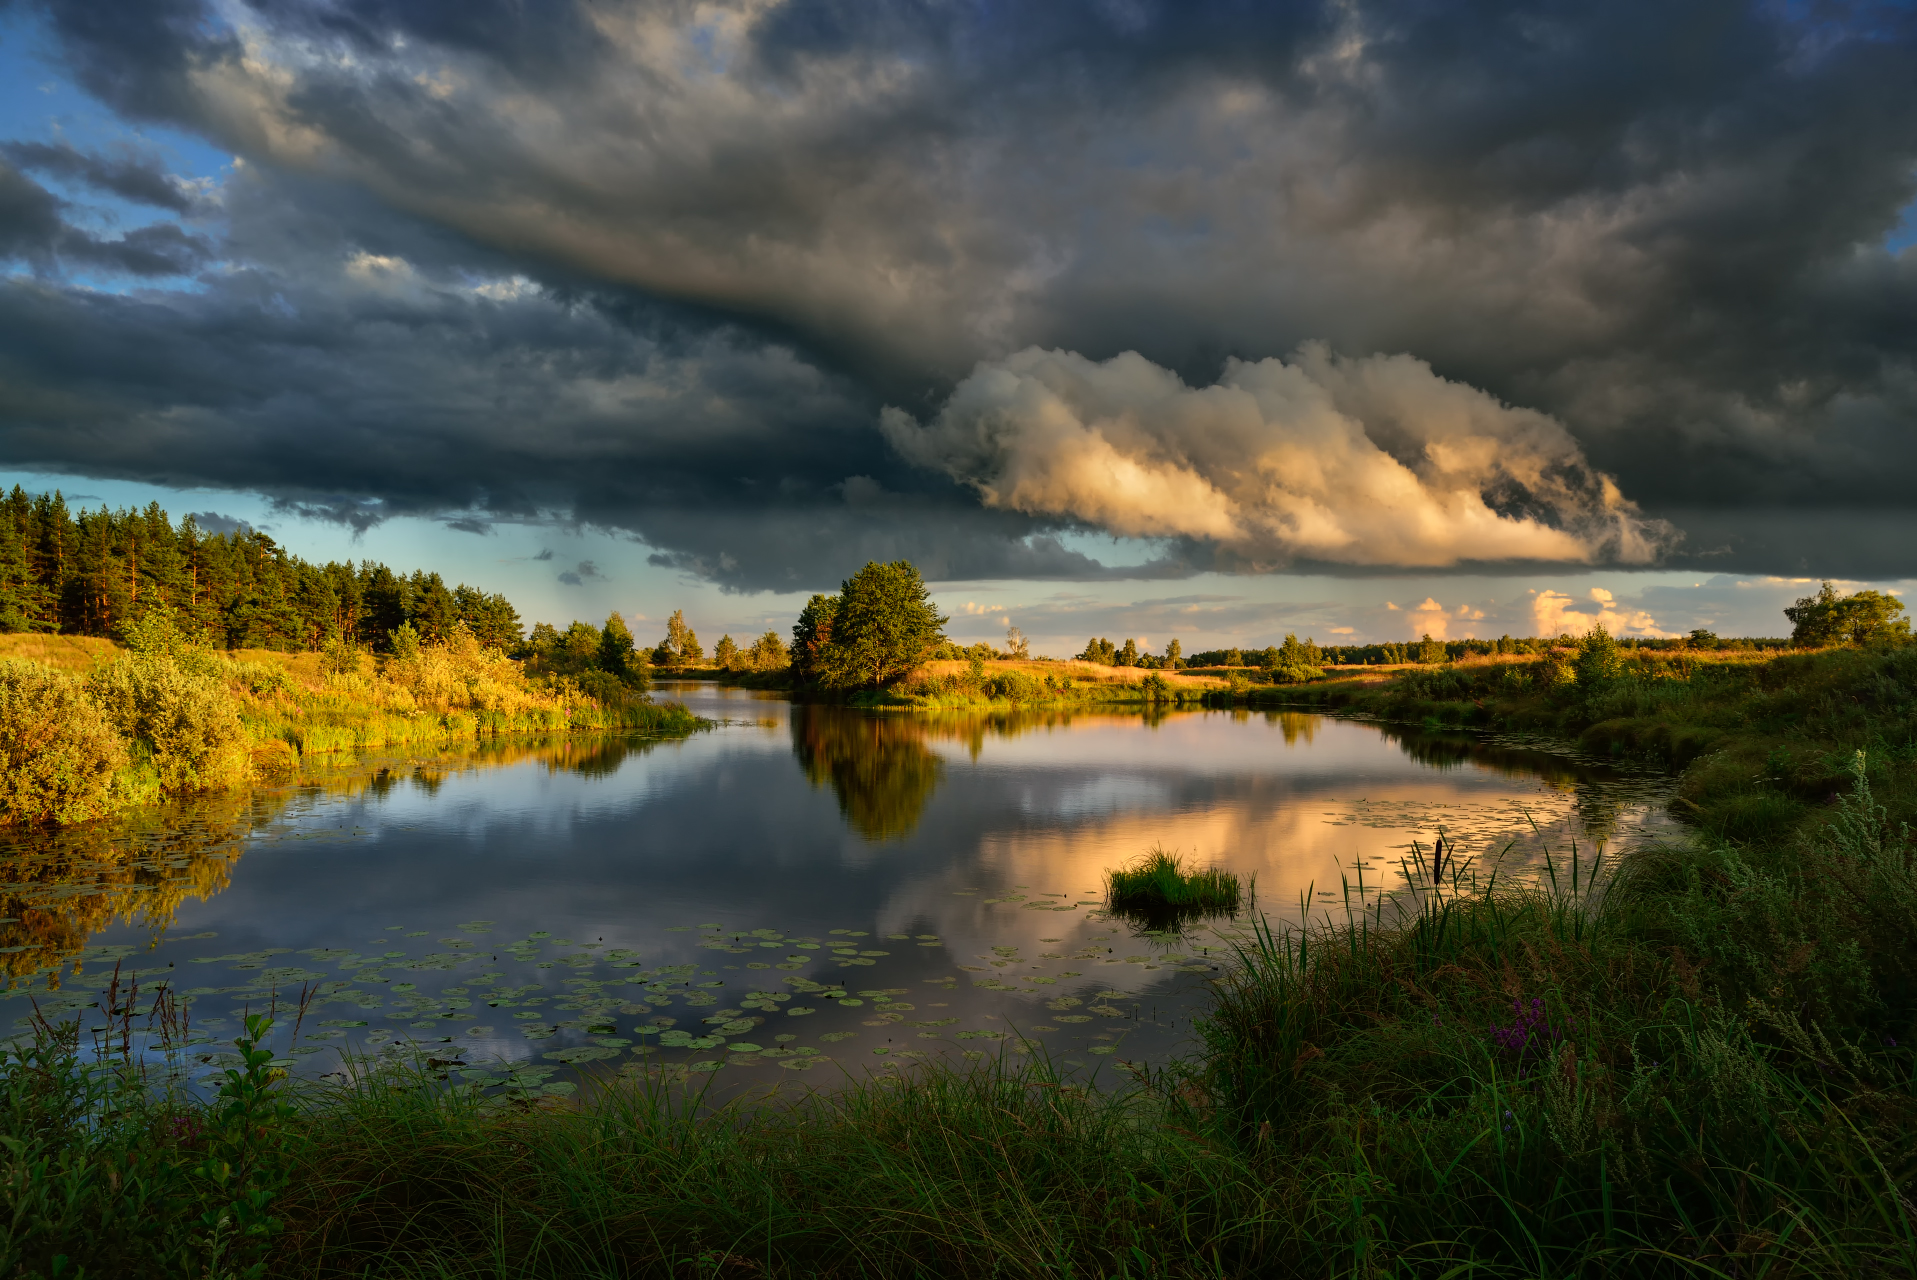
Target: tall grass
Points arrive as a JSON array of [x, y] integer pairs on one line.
[[1159, 883], [999, 1169], [1537, 1077]]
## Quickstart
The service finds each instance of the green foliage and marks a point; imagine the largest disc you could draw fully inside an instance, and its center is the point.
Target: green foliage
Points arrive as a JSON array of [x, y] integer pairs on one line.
[[616, 655], [880, 627], [681, 646], [1174, 654], [157, 632], [403, 643], [812, 638], [1867, 617], [98, 572], [111, 1175], [1160, 887], [1294, 663], [339, 658], [1545, 1078], [186, 724], [767, 653], [1598, 662], [1103, 652], [58, 754], [1431, 652], [725, 654]]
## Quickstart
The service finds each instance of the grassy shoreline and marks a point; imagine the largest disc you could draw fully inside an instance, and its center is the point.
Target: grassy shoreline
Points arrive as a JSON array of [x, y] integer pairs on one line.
[[93, 728]]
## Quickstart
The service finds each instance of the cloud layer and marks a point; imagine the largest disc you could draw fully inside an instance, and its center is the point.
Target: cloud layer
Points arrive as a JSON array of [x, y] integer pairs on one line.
[[1372, 461], [659, 264]]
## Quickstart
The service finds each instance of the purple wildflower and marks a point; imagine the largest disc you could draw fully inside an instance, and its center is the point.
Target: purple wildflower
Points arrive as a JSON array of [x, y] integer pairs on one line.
[[1530, 1037]]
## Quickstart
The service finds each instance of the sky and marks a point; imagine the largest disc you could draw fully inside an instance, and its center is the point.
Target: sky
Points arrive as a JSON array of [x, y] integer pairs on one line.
[[1209, 320]]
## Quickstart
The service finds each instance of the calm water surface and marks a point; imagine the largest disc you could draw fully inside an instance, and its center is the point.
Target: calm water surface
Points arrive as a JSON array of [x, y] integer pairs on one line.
[[798, 888]]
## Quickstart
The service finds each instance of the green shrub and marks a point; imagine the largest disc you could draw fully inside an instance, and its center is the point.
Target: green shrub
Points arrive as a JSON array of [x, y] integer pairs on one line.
[[188, 724], [58, 754]]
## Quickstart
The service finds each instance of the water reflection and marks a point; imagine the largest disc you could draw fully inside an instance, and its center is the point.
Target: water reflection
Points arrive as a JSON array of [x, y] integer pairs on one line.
[[59, 887], [513, 900], [877, 765]]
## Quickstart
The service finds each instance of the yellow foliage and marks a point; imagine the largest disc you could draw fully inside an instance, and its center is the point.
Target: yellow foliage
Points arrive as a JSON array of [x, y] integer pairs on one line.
[[188, 724], [58, 754]]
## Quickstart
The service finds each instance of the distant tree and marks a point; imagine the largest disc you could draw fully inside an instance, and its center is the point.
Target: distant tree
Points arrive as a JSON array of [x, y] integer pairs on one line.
[[1293, 663], [725, 653], [883, 626], [1016, 645], [767, 652], [682, 641], [1101, 651], [616, 654], [578, 648], [1702, 639], [1128, 656], [1430, 652], [543, 640], [1864, 618], [1174, 654], [1598, 660]]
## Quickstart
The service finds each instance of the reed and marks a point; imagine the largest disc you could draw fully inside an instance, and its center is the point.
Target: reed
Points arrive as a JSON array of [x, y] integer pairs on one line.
[[1161, 882]]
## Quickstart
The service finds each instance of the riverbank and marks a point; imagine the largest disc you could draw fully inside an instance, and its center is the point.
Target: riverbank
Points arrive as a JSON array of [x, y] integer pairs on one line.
[[93, 728], [951, 685], [1760, 742]]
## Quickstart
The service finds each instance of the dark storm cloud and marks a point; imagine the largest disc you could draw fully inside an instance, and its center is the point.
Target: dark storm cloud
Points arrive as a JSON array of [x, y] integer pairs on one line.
[[135, 177], [33, 228], [214, 522], [742, 231]]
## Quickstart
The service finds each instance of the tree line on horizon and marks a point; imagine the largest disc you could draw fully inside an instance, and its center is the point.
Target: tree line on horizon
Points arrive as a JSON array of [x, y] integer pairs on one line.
[[96, 572]]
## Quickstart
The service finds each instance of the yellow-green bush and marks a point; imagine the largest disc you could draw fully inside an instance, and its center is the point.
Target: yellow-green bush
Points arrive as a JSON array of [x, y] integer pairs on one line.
[[58, 754], [187, 724]]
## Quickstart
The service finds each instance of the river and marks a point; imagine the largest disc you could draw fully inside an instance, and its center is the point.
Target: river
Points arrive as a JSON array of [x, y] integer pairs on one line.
[[799, 891]]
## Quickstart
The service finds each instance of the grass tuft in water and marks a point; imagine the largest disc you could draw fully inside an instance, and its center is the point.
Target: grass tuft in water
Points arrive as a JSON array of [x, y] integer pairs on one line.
[[1160, 882]]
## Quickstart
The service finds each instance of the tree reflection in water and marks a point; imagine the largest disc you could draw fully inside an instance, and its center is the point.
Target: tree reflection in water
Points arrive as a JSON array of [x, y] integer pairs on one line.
[[60, 886], [878, 766], [1599, 808]]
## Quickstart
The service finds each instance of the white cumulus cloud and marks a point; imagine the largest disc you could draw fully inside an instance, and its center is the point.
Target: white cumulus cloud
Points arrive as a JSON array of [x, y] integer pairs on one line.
[[1369, 461]]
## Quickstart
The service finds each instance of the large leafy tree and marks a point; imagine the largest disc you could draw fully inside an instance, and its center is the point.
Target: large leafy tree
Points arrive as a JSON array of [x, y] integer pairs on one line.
[[1828, 618], [882, 626]]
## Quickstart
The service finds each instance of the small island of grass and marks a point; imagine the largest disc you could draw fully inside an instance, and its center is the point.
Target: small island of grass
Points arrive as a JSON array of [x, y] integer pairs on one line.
[[1161, 884]]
